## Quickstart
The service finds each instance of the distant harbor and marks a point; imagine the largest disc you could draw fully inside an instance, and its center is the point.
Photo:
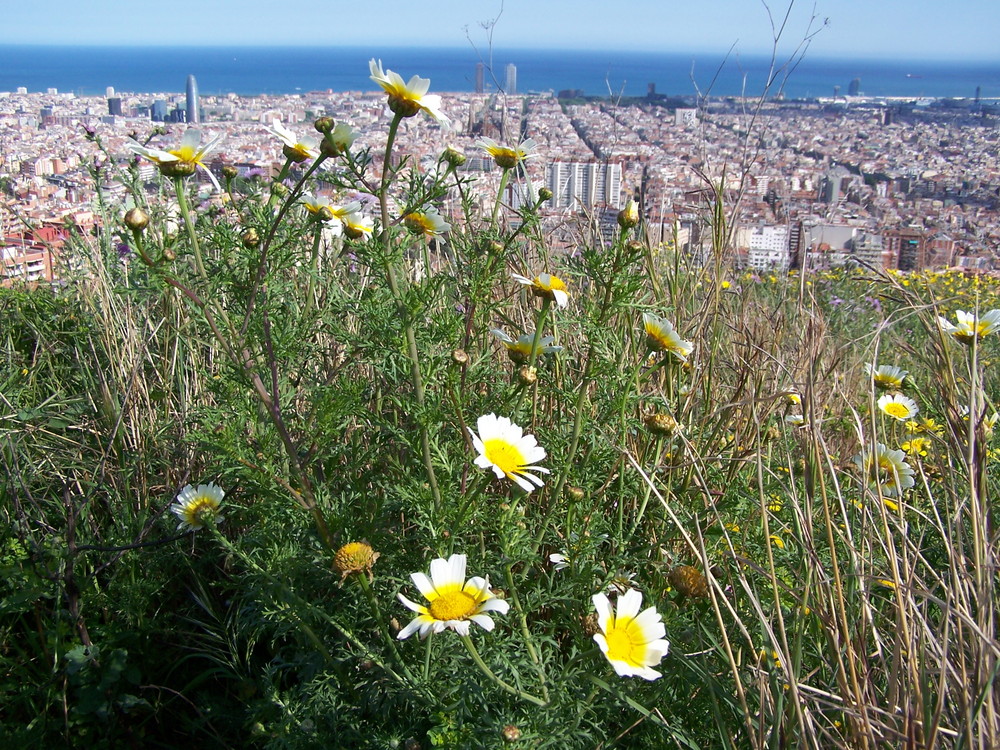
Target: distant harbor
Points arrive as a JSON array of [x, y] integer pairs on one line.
[[289, 70]]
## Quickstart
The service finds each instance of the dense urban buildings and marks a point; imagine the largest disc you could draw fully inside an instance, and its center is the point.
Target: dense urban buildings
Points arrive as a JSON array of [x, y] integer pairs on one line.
[[888, 183]]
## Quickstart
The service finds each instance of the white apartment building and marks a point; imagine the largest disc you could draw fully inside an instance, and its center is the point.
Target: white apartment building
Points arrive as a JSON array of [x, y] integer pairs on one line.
[[585, 185], [767, 248]]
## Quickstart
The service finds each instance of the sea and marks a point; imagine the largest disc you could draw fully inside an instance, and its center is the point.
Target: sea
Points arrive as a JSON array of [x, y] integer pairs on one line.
[[288, 70]]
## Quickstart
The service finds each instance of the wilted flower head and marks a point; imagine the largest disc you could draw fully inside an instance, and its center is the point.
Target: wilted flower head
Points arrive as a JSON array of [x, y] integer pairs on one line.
[[661, 336], [546, 286], [886, 469], [198, 506], [296, 149], [971, 326], [183, 160], [452, 602], [507, 157], [406, 99], [504, 447], [520, 350], [427, 222], [631, 640], [354, 557]]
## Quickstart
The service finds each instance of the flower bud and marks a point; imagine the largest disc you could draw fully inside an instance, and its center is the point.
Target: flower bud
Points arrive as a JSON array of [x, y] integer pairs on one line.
[[575, 493], [250, 239], [460, 357], [453, 157], [278, 189], [169, 254], [527, 375], [324, 124], [136, 219], [510, 733], [230, 172], [544, 194], [628, 217]]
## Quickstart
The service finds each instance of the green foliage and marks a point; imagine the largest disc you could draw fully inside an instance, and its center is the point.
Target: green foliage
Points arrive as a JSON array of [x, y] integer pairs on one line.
[[329, 384]]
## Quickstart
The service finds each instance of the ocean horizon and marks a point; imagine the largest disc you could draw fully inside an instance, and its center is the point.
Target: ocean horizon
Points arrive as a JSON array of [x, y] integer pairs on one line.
[[248, 71]]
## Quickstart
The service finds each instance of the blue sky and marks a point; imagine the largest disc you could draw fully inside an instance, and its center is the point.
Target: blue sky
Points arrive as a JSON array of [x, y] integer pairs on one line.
[[913, 29]]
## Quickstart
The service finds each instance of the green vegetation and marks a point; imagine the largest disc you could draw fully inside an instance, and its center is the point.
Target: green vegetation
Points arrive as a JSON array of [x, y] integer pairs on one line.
[[328, 385]]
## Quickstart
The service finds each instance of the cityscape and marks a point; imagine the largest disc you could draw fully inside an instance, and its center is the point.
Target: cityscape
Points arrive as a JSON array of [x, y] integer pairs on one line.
[[897, 183]]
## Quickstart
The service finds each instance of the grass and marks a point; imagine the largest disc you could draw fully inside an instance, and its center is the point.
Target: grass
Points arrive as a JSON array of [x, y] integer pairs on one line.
[[327, 384]]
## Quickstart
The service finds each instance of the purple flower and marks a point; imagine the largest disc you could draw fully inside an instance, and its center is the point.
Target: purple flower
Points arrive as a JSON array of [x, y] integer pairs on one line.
[[123, 250]]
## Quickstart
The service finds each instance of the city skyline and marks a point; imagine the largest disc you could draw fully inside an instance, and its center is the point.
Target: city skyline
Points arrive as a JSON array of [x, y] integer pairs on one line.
[[918, 28]]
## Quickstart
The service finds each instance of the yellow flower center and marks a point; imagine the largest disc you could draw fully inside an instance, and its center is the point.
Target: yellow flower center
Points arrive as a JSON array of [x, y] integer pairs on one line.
[[887, 381], [555, 284], [419, 223], [200, 510], [626, 642], [506, 456], [455, 605], [897, 409]]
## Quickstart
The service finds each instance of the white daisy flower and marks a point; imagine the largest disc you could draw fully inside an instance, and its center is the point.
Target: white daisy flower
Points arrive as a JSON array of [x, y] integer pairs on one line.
[[661, 336], [198, 506], [407, 99], [547, 286], [452, 602], [504, 447], [898, 406]]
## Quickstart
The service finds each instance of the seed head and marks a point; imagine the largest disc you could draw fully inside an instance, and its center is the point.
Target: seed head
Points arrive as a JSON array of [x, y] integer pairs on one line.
[[354, 557]]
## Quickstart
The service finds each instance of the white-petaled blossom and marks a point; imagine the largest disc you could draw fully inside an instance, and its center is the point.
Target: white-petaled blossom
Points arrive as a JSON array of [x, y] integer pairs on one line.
[[452, 602], [322, 208], [504, 447], [795, 420], [407, 99], [898, 406], [357, 226], [970, 326], [292, 147], [183, 160], [631, 640], [887, 469], [198, 506], [887, 377], [546, 286], [342, 137], [508, 157], [559, 562], [662, 337], [427, 222], [520, 350]]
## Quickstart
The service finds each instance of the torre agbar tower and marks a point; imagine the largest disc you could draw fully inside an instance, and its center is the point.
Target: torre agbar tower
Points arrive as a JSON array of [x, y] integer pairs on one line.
[[193, 117]]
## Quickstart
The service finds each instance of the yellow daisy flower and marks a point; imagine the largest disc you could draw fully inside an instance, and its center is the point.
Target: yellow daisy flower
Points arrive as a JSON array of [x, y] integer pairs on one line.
[[887, 469], [662, 337], [407, 99], [970, 325], [183, 160], [887, 377], [505, 156], [631, 640], [898, 406], [547, 286]]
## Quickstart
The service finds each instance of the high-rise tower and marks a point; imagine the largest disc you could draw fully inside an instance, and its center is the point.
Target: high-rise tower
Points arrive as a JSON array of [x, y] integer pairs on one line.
[[855, 88], [480, 78], [193, 115], [510, 86]]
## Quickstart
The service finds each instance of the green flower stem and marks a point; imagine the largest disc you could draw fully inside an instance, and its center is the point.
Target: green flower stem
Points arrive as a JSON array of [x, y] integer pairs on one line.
[[366, 586], [489, 673], [411, 340], [525, 633], [427, 655], [504, 179], [648, 489], [295, 599], [272, 201], [598, 682], [533, 356], [182, 202], [314, 269]]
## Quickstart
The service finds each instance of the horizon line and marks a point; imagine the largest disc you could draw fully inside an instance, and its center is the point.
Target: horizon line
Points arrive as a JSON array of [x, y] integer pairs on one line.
[[727, 52]]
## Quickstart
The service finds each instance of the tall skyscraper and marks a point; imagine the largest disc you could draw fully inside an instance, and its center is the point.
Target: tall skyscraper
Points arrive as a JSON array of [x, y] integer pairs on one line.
[[510, 86], [855, 88], [115, 106], [480, 78], [193, 116]]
